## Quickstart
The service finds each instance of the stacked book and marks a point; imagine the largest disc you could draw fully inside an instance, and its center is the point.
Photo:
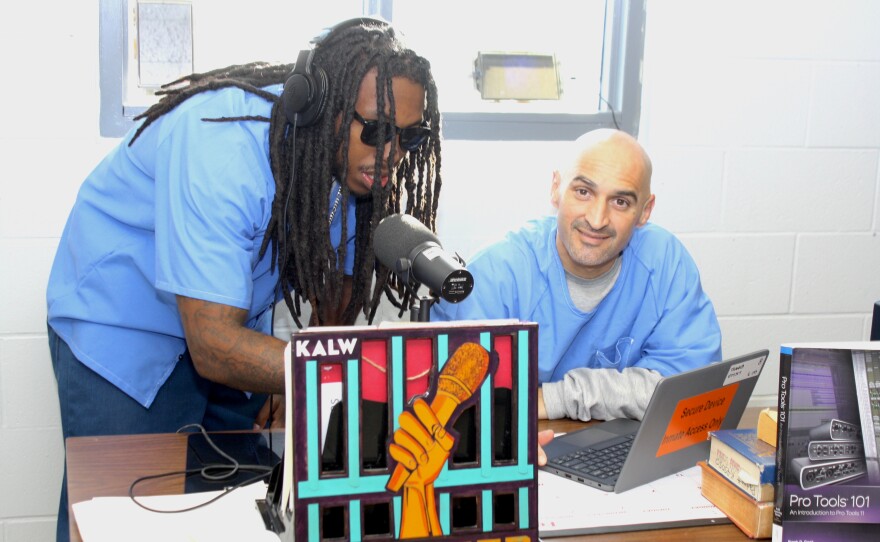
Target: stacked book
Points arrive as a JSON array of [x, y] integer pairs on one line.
[[739, 475]]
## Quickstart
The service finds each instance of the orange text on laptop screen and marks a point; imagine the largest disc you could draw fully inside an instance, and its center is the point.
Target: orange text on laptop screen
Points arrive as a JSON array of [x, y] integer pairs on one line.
[[694, 417]]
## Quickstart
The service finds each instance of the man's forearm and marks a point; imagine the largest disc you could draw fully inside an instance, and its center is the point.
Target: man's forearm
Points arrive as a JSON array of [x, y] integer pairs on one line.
[[251, 362], [225, 351], [604, 394]]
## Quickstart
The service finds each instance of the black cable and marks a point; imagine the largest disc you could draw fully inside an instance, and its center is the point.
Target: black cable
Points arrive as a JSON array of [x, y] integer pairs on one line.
[[602, 68], [214, 472], [282, 265], [610, 108]]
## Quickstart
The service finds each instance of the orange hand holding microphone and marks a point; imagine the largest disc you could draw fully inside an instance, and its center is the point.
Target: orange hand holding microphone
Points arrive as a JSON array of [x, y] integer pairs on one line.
[[460, 378]]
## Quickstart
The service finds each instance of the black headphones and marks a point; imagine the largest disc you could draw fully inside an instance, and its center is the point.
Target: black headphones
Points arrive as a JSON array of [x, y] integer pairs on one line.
[[305, 91]]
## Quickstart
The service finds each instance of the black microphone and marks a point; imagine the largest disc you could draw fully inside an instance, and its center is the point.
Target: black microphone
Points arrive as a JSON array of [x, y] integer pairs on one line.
[[414, 253]]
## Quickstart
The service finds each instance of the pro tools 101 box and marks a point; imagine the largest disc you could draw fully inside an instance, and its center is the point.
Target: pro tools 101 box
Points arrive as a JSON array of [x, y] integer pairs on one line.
[[828, 475]]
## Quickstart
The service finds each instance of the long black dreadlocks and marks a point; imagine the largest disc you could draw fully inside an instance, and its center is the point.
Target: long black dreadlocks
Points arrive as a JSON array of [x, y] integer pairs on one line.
[[304, 162]]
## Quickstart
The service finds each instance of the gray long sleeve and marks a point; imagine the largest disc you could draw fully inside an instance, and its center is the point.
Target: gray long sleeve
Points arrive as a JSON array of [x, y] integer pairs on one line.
[[604, 394]]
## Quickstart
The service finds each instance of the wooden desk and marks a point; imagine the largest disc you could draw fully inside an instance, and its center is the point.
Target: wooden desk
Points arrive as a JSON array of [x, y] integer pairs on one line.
[[106, 466], [716, 533]]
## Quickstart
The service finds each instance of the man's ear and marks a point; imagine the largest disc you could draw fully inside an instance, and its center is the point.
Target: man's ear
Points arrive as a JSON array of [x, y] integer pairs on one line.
[[554, 189], [646, 212]]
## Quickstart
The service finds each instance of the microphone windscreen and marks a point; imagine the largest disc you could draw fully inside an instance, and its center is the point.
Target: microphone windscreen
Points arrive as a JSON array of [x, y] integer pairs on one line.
[[464, 372], [397, 235]]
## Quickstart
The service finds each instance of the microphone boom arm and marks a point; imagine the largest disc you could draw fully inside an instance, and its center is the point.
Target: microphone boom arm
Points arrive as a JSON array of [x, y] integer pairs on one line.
[[421, 309]]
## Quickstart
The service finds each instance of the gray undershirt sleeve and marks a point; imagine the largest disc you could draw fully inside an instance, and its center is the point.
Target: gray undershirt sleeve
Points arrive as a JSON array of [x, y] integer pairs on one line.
[[603, 394]]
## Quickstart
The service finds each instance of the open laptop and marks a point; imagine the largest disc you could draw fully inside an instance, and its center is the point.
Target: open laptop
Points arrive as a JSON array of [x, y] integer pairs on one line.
[[621, 454]]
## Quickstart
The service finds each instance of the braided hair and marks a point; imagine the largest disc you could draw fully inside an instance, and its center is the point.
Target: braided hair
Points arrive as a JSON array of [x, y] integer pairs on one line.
[[305, 160]]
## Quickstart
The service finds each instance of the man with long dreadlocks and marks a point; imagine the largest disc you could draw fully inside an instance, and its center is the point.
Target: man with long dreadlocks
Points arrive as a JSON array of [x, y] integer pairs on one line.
[[236, 189]]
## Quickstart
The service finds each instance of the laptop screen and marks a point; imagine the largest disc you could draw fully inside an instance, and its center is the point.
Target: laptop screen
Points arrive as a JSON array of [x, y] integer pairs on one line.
[[875, 323]]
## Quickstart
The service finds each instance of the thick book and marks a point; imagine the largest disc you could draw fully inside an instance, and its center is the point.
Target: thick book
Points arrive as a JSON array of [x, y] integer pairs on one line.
[[768, 422], [827, 470], [754, 518], [748, 462]]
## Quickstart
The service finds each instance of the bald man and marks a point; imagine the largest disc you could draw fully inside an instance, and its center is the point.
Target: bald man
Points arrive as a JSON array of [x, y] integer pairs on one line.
[[618, 300]]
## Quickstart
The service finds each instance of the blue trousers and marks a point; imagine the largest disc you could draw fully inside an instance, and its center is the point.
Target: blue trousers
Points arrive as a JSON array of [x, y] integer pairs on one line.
[[92, 406]]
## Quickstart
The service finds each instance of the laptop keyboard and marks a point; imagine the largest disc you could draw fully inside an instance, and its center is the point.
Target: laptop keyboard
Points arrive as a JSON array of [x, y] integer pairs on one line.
[[600, 463]]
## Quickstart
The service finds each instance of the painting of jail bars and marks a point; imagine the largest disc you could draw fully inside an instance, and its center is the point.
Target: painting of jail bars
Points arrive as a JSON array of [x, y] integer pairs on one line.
[[415, 431]]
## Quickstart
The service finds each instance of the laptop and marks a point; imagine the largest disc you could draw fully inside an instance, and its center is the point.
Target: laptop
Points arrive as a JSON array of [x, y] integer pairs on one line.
[[621, 454]]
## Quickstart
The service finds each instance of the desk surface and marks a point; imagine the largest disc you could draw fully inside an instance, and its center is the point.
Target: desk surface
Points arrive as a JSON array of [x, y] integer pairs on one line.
[[106, 466]]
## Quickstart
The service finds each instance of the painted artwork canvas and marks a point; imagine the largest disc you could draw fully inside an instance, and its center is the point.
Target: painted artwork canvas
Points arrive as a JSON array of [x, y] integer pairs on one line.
[[410, 431]]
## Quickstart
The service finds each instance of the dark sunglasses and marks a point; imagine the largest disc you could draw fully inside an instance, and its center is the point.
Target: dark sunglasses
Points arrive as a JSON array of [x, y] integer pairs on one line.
[[410, 138]]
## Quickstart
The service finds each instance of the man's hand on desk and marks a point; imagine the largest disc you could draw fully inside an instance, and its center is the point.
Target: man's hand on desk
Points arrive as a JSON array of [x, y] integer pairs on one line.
[[544, 437], [271, 413]]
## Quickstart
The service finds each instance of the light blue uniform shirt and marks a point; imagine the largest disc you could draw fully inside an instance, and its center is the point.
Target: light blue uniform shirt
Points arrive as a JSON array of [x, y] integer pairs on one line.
[[656, 316], [182, 211]]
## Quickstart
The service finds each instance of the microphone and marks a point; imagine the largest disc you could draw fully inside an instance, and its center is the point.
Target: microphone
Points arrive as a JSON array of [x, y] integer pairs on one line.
[[405, 245], [462, 375]]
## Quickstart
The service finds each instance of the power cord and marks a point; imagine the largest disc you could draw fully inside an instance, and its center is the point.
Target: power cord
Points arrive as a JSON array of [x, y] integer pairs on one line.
[[610, 108], [214, 472]]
